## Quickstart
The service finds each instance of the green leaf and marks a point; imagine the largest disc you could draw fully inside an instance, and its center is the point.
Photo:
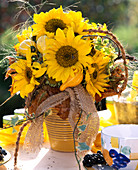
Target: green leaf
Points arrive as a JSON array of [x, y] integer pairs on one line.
[[83, 146], [14, 120], [82, 127], [33, 115], [79, 134], [48, 113], [99, 40], [26, 112], [106, 50], [105, 41], [98, 47]]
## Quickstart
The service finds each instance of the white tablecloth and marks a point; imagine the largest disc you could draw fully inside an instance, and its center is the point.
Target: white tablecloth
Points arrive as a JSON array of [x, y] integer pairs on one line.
[[46, 159]]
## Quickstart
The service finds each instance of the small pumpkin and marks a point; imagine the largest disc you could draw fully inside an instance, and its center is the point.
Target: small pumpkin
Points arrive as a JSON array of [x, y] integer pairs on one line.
[[25, 46], [72, 81], [41, 44]]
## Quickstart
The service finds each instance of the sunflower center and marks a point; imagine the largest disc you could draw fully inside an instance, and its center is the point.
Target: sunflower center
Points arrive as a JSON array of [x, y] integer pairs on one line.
[[28, 73], [52, 81], [95, 74], [95, 66], [53, 24], [76, 34], [67, 56]]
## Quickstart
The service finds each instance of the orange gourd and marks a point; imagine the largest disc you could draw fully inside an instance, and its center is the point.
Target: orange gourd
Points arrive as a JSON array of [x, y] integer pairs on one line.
[[72, 81]]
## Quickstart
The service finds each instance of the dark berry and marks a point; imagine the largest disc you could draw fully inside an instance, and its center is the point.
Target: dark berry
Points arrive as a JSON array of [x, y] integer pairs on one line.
[[88, 162], [94, 161], [87, 157], [99, 152], [95, 156], [88, 165], [0, 148], [84, 163], [4, 152], [91, 161], [101, 160]]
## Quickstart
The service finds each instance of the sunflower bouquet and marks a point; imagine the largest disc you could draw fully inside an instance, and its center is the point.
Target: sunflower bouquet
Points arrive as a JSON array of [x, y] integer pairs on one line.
[[65, 63]]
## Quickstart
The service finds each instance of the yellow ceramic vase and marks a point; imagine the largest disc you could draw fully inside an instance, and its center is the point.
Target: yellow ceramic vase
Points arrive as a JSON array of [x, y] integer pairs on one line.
[[60, 133]]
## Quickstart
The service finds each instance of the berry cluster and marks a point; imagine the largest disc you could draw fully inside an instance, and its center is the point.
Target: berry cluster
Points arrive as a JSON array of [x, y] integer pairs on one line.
[[92, 159], [2, 153]]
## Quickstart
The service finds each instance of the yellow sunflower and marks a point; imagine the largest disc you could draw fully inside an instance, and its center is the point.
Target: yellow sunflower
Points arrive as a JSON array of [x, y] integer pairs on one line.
[[79, 23], [96, 81], [47, 23], [26, 34], [66, 55], [99, 60], [96, 78], [25, 77]]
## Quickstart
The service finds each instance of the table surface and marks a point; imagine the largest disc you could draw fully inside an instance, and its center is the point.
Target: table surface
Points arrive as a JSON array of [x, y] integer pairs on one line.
[[46, 159]]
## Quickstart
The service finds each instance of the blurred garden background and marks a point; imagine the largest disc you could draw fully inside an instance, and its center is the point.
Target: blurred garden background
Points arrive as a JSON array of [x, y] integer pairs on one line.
[[120, 16]]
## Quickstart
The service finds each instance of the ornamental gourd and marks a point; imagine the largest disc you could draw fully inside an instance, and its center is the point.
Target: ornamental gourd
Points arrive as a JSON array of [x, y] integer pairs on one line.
[[72, 81], [41, 44], [25, 46]]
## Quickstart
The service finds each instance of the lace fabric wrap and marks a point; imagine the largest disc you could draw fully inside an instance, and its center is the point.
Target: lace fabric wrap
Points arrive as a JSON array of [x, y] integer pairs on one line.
[[80, 101], [34, 138]]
